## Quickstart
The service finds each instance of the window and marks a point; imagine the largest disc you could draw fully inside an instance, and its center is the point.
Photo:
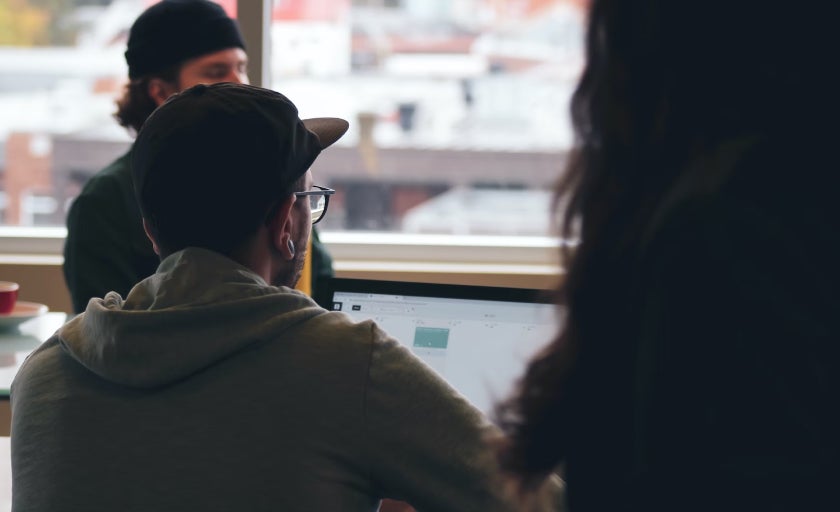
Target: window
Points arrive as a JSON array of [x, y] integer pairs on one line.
[[458, 108], [61, 67]]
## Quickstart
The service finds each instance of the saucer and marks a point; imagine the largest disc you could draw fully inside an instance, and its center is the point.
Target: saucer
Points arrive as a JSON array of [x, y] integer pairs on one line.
[[22, 312]]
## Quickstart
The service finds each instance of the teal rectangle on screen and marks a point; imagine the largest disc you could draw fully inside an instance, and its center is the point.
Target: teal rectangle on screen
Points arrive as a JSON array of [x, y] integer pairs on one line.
[[431, 337]]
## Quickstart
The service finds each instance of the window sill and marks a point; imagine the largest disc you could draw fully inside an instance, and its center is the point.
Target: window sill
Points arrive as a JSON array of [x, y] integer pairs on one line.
[[528, 260]]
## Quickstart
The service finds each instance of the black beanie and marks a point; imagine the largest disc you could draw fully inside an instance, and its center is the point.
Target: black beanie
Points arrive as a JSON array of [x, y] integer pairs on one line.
[[173, 31]]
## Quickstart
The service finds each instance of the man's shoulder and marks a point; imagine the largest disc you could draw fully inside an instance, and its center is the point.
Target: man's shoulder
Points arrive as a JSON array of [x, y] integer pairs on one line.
[[346, 339], [110, 190], [116, 174], [38, 368], [386, 359], [337, 328]]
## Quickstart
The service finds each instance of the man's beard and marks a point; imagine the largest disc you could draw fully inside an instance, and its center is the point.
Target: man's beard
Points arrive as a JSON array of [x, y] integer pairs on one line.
[[291, 275]]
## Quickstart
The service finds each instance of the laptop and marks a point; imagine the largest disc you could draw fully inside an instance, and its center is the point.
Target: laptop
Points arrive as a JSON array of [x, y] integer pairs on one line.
[[478, 338]]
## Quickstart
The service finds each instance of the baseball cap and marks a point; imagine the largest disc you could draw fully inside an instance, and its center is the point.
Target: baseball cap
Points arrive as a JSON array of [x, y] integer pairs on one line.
[[222, 154], [172, 31]]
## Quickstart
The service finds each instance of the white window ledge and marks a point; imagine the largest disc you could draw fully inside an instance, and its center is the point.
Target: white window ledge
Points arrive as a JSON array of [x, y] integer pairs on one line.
[[363, 252]]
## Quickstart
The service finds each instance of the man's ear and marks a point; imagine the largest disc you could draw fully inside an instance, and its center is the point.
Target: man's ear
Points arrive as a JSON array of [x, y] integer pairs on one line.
[[160, 90], [150, 237], [280, 228]]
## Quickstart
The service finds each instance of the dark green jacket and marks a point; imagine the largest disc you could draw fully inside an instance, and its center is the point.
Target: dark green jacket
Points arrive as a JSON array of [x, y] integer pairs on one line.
[[107, 250]]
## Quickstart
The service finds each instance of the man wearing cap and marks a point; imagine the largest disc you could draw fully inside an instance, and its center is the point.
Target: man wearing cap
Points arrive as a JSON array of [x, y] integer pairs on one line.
[[216, 386], [173, 45]]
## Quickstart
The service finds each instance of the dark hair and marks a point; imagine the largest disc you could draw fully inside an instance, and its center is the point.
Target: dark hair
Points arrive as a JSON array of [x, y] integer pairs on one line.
[[666, 85], [135, 105], [221, 233]]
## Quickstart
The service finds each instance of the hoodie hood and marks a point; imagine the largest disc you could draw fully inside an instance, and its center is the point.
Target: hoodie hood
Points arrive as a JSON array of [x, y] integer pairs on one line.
[[197, 310]]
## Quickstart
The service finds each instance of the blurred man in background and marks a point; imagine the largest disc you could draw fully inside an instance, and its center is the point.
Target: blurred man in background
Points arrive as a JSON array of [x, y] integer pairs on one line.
[[172, 46]]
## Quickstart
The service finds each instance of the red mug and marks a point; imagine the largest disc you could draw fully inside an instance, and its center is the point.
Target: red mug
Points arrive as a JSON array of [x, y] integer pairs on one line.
[[8, 296]]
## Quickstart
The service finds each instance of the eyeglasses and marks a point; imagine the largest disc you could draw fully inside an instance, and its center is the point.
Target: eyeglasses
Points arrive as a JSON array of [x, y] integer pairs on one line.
[[319, 199]]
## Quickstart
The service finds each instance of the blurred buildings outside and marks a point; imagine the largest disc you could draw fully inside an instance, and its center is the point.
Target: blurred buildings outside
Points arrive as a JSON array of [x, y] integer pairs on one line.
[[458, 108]]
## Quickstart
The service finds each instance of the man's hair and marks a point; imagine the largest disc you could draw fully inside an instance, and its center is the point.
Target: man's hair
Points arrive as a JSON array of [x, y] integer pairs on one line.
[[135, 105], [245, 215]]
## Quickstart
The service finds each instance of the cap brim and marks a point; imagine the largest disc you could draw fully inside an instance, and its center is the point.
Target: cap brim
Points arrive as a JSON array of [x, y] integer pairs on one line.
[[328, 129]]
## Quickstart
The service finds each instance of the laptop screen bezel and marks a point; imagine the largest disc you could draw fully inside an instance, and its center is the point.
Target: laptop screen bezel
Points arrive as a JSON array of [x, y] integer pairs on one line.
[[440, 290]]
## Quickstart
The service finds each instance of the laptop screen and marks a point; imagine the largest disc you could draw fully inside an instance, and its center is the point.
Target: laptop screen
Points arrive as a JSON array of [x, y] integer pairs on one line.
[[477, 338]]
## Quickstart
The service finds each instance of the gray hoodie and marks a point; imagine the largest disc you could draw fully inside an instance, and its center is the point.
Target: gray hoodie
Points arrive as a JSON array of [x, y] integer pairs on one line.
[[206, 389]]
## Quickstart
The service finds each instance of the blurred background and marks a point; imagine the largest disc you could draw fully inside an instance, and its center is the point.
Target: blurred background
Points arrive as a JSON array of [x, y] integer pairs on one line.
[[458, 108]]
